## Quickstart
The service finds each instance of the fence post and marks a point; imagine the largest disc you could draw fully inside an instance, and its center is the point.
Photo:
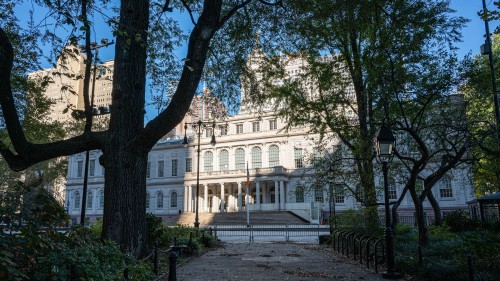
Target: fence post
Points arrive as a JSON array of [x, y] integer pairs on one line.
[[470, 268], [172, 266]]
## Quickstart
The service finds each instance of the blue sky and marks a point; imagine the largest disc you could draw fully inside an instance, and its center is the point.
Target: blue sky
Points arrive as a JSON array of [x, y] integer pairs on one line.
[[473, 33]]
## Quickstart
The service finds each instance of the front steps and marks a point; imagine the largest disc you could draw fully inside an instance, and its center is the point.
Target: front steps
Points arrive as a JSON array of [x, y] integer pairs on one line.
[[256, 217]]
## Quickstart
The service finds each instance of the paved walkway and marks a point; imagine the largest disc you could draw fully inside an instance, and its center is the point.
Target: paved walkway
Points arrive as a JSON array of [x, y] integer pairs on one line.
[[273, 261]]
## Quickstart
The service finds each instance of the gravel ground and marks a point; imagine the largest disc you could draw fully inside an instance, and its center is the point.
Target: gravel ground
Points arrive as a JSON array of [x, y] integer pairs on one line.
[[273, 261]]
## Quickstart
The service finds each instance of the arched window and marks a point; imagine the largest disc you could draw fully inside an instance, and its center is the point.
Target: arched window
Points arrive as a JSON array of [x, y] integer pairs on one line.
[[173, 199], [224, 160], [239, 158], [208, 163], [159, 200], [256, 157], [147, 200], [89, 200], [77, 200], [101, 199], [299, 194], [274, 156]]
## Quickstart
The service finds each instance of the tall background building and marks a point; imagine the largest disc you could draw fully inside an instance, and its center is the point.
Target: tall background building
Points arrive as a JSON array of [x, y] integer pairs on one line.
[[65, 84]]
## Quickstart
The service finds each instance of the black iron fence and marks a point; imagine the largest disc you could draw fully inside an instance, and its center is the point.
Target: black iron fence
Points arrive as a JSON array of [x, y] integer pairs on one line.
[[366, 249]]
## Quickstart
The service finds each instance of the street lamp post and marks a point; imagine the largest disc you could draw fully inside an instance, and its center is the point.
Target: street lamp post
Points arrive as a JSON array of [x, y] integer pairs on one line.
[[487, 49], [92, 112], [384, 145], [198, 125]]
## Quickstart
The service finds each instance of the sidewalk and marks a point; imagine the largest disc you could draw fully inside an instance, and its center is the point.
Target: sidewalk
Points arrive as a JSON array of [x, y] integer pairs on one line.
[[273, 261]]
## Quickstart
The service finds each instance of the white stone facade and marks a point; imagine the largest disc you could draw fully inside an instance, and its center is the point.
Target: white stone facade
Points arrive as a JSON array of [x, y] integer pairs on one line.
[[274, 161]]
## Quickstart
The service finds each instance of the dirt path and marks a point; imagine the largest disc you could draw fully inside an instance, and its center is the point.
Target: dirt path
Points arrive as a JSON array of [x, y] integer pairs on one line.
[[272, 261]]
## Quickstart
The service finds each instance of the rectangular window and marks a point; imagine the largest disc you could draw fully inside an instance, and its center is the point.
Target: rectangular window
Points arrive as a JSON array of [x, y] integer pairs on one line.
[[161, 169], [239, 128], [223, 130], [339, 198], [174, 167], [445, 189], [255, 127], [299, 162], [209, 132], [189, 165], [92, 168], [318, 195], [148, 170], [391, 191], [79, 169], [273, 125]]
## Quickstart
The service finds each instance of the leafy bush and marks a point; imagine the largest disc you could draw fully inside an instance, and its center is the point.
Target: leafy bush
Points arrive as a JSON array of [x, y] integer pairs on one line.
[[207, 239], [445, 258], [76, 255], [96, 228], [356, 221], [459, 221]]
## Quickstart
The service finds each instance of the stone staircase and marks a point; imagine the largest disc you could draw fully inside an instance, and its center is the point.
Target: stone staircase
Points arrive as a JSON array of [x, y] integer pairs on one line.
[[260, 217]]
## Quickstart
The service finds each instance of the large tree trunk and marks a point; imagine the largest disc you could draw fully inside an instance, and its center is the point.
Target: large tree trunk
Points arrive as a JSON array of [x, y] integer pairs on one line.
[[438, 218], [125, 166], [421, 226]]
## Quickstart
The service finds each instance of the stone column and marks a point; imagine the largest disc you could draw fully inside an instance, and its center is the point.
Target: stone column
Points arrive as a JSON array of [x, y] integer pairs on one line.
[[276, 196], [230, 200], [185, 199], [264, 195], [222, 202], [190, 199], [257, 194], [240, 203], [205, 198], [282, 195]]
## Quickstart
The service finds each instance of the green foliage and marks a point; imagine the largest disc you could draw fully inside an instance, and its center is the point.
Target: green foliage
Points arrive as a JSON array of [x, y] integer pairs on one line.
[[162, 236], [96, 228], [34, 207], [206, 239], [194, 246], [51, 255], [157, 231], [459, 221], [446, 256], [356, 221]]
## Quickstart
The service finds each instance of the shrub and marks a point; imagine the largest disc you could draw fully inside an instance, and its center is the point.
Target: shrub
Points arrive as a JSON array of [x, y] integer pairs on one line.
[[459, 221], [356, 221], [206, 239], [96, 228]]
